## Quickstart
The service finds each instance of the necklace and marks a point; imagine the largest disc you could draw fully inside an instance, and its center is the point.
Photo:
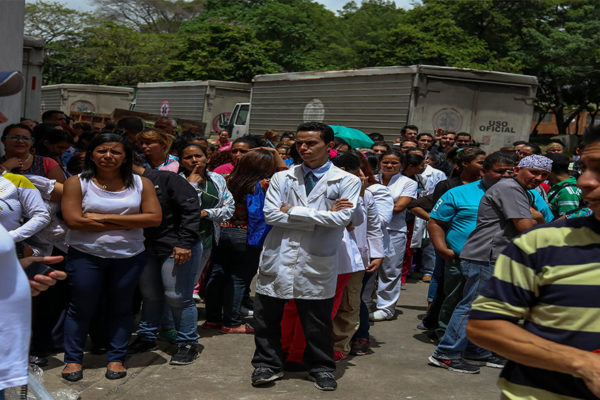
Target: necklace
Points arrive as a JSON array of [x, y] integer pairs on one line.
[[102, 186], [23, 162]]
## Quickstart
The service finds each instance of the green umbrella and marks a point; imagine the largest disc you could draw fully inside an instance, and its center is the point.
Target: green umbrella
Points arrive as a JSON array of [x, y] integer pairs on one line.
[[355, 138]]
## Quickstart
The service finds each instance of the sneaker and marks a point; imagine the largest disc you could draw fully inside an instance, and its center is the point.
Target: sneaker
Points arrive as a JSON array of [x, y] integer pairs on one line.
[[454, 365], [263, 375], [170, 335], [338, 356], [426, 278], [246, 312], [140, 345], [186, 354], [379, 316], [422, 326], [360, 347], [493, 361], [323, 380]]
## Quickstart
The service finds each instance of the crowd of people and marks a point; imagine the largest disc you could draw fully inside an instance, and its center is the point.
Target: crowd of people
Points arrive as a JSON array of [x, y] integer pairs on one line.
[[151, 220]]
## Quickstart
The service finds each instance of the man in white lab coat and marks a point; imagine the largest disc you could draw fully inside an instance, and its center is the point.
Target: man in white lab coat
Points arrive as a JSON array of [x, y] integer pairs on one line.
[[299, 257]]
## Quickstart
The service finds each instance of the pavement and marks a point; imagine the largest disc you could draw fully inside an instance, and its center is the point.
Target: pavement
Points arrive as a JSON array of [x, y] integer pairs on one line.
[[396, 369]]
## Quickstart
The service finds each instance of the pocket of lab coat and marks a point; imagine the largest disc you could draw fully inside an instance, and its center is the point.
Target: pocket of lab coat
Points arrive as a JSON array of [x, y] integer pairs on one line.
[[268, 262], [320, 267]]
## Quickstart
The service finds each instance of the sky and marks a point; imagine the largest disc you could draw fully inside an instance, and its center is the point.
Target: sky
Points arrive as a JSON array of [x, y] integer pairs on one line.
[[333, 5]]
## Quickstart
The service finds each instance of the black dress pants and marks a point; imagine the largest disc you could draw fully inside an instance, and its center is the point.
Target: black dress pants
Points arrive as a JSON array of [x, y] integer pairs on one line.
[[315, 316]]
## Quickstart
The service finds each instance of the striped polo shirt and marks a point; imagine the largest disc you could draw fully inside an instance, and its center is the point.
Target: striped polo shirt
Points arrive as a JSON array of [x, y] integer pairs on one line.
[[548, 277]]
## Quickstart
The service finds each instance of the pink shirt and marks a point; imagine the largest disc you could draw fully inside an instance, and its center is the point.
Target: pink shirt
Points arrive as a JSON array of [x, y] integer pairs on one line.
[[226, 146], [224, 169]]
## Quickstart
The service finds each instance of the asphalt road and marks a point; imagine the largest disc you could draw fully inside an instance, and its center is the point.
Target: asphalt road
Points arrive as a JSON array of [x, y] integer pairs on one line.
[[397, 369]]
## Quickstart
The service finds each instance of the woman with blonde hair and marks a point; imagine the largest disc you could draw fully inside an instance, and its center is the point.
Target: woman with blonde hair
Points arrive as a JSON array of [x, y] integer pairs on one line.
[[155, 146]]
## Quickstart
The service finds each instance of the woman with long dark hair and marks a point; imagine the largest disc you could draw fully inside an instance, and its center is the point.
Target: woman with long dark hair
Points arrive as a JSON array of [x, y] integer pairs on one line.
[[215, 199], [106, 208], [235, 259]]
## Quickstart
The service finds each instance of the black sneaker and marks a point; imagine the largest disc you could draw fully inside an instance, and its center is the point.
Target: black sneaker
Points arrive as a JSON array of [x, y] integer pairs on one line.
[[492, 361], [186, 354], [360, 347], [264, 375], [141, 346], [454, 365], [323, 380]]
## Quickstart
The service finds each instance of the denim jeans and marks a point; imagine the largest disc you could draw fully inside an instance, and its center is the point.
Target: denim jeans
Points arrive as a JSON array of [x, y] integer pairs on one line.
[[454, 342], [90, 278], [437, 278], [233, 266], [164, 281], [427, 257]]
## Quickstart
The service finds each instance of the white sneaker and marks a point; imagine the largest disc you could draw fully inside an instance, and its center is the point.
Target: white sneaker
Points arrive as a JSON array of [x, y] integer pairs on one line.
[[379, 315], [246, 311]]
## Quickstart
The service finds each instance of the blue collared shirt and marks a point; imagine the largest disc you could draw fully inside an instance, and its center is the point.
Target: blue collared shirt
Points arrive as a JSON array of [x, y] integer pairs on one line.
[[317, 172]]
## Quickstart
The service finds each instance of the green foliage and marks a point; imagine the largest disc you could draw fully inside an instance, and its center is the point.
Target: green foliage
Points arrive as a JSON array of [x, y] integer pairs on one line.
[[217, 49], [130, 41]]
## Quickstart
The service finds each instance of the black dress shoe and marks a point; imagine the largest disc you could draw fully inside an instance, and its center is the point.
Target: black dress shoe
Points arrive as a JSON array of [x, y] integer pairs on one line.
[[73, 376], [115, 374]]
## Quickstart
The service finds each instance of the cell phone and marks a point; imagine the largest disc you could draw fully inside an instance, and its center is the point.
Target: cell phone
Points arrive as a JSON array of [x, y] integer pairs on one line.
[[37, 268]]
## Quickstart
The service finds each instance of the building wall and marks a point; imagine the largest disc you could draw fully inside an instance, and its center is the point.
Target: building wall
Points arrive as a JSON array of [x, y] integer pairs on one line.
[[11, 53]]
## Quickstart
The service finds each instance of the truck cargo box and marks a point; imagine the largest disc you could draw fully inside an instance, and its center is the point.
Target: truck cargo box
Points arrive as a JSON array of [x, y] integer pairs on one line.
[[495, 107], [208, 101], [97, 99]]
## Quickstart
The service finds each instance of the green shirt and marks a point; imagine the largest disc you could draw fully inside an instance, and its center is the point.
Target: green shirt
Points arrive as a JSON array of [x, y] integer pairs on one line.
[[564, 196]]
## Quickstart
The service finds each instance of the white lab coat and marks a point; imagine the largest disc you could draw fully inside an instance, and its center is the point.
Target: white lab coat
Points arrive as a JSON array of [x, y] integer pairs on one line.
[[299, 257]]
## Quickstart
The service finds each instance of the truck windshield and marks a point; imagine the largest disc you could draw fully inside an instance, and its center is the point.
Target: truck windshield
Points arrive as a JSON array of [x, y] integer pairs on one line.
[[242, 115]]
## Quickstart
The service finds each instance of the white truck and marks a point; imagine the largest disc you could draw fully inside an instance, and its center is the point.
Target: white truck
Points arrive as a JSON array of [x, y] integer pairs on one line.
[[496, 108], [206, 101]]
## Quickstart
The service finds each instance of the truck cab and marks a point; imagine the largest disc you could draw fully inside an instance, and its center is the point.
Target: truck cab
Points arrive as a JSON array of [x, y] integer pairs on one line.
[[238, 121]]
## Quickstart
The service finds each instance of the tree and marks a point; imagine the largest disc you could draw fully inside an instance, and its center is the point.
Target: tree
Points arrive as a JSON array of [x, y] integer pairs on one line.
[[561, 50], [118, 55], [157, 16], [217, 49], [53, 21]]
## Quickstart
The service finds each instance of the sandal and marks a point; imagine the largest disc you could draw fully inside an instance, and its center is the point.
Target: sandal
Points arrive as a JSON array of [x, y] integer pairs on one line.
[[244, 328]]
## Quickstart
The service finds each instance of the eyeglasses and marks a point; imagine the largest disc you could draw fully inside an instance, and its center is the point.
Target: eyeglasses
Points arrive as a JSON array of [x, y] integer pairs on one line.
[[16, 138], [502, 171]]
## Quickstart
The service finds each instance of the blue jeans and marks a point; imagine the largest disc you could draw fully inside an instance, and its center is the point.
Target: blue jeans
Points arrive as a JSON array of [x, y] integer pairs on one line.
[[437, 278], [90, 278], [164, 281], [454, 342], [232, 268], [427, 257]]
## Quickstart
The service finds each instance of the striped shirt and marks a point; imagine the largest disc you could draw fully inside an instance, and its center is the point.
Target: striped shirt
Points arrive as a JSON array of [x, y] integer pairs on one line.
[[564, 196], [550, 278]]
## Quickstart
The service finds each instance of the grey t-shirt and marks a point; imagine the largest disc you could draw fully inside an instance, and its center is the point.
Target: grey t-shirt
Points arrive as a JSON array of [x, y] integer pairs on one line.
[[504, 201]]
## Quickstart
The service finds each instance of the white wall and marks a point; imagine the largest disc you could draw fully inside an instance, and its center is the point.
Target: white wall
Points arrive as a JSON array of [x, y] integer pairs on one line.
[[11, 52]]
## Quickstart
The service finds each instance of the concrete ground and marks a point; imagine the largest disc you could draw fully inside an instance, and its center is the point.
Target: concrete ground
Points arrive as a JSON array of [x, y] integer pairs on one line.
[[397, 369]]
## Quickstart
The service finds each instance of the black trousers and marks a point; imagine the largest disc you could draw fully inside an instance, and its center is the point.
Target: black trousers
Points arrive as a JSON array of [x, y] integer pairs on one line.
[[315, 316]]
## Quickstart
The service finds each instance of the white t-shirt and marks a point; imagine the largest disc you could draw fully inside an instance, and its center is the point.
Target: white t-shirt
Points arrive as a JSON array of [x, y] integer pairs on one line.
[[400, 186], [15, 316], [118, 243]]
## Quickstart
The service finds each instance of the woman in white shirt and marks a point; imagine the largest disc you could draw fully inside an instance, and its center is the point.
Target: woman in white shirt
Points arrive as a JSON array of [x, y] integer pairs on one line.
[[106, 208], [403, 190]]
